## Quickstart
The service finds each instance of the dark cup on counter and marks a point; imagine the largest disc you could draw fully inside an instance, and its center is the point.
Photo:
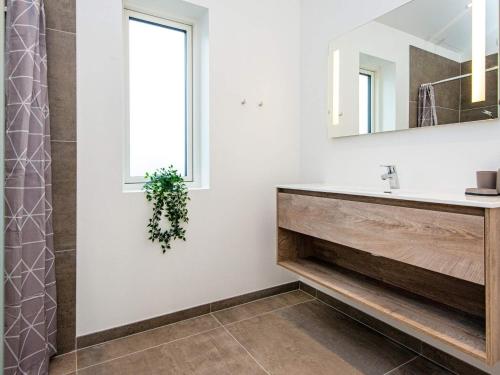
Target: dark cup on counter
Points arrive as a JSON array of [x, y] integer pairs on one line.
[[487, 179]]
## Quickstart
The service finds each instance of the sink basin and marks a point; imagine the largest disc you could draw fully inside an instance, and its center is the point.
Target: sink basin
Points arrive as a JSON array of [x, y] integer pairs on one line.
[[453, 198]]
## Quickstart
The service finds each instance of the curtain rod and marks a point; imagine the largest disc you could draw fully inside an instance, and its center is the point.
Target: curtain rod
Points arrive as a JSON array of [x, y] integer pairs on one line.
[[457, 77]]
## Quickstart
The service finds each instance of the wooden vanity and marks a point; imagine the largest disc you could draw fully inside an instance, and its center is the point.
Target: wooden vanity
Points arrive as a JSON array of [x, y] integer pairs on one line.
[[430, 263]]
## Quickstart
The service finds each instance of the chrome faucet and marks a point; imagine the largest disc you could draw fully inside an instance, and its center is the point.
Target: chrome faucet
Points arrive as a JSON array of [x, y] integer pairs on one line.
[[391, 175]]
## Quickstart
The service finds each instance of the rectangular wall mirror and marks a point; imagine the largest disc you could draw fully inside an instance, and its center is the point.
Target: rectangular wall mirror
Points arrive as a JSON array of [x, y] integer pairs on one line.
[[426, 63]]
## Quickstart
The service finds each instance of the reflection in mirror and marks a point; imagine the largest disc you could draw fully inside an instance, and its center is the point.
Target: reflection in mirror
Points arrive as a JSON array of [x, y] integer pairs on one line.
[[426, 63]]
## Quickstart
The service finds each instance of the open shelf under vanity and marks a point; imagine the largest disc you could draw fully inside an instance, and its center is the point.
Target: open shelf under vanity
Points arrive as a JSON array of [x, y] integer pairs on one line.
[[445, 292], [464, 332]]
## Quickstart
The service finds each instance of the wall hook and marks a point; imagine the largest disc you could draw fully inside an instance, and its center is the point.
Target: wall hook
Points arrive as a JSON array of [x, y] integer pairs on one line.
[[261, 104], [243, 102]]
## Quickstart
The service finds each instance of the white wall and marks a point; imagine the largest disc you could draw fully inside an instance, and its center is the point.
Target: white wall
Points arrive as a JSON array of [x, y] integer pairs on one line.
[[441, 158], [122, 277]]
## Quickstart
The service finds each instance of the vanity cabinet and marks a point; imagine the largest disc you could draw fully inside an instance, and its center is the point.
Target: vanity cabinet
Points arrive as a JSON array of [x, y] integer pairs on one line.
[[433, 267]]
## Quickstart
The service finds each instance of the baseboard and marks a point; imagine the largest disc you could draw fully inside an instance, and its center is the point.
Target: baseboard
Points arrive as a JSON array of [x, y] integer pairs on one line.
[[145, 325]]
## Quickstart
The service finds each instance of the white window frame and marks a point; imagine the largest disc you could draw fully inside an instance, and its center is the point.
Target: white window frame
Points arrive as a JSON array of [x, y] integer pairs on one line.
[[373, 91], [188, 29]]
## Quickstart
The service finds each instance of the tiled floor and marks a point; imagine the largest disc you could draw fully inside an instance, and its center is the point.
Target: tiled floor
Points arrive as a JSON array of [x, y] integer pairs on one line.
[[291, 333]]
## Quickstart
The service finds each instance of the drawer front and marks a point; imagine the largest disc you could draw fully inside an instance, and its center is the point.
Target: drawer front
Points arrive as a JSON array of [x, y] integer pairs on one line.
[[444, 242]]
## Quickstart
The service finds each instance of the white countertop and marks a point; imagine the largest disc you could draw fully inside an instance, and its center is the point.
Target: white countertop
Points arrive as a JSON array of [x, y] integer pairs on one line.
[[457, 199]]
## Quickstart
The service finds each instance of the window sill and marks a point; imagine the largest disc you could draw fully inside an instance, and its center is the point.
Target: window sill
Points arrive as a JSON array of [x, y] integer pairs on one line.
[[139, 188]]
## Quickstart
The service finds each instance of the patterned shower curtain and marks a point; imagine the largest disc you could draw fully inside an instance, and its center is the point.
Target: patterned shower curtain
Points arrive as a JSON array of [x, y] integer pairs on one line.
[[427, 115], [29, 277]]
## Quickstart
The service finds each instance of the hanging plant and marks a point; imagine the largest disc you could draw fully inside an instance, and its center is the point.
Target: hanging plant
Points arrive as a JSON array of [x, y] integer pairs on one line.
[[168, 192]]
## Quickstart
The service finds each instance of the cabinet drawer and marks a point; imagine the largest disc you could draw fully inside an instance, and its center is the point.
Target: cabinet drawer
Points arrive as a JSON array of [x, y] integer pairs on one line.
[[444, 242]]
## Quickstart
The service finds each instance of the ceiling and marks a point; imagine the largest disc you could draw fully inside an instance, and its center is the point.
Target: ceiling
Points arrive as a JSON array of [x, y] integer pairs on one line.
[[447, 23]]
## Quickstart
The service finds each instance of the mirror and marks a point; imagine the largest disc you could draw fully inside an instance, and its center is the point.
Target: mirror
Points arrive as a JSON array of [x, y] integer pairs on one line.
[[426, 63]]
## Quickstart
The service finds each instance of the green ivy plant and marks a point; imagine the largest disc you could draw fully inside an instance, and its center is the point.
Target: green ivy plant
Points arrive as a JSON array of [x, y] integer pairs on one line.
[[168, 192]]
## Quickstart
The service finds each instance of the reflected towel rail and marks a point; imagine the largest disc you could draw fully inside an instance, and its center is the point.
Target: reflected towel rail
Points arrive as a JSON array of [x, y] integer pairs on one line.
[[458, 77]]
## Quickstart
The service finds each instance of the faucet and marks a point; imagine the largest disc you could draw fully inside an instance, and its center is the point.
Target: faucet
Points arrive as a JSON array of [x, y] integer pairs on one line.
[[391, 175]]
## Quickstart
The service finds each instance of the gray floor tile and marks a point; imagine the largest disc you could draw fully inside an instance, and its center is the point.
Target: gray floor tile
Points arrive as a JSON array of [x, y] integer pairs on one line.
[[262, 306], [420, 366], [213, 352], [312, 338], [130, 344]]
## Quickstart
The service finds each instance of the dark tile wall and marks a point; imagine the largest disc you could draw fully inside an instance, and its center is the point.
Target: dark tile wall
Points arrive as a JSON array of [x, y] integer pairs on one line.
[[427, 67], [475, 111], [61, 51], [453, 99]]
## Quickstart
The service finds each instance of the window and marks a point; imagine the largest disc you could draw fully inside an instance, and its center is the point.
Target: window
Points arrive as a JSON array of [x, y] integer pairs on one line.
[[160, 104], [366, 97]]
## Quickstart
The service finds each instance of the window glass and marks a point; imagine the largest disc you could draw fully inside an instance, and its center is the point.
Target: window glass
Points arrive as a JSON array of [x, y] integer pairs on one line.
[[158, 107]]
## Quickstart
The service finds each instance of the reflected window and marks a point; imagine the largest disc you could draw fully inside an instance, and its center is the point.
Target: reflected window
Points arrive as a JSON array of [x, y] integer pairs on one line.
[[366, 97]]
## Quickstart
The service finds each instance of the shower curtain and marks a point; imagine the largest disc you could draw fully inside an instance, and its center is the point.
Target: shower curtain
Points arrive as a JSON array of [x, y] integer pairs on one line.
[[426, 106], [29, 277]]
